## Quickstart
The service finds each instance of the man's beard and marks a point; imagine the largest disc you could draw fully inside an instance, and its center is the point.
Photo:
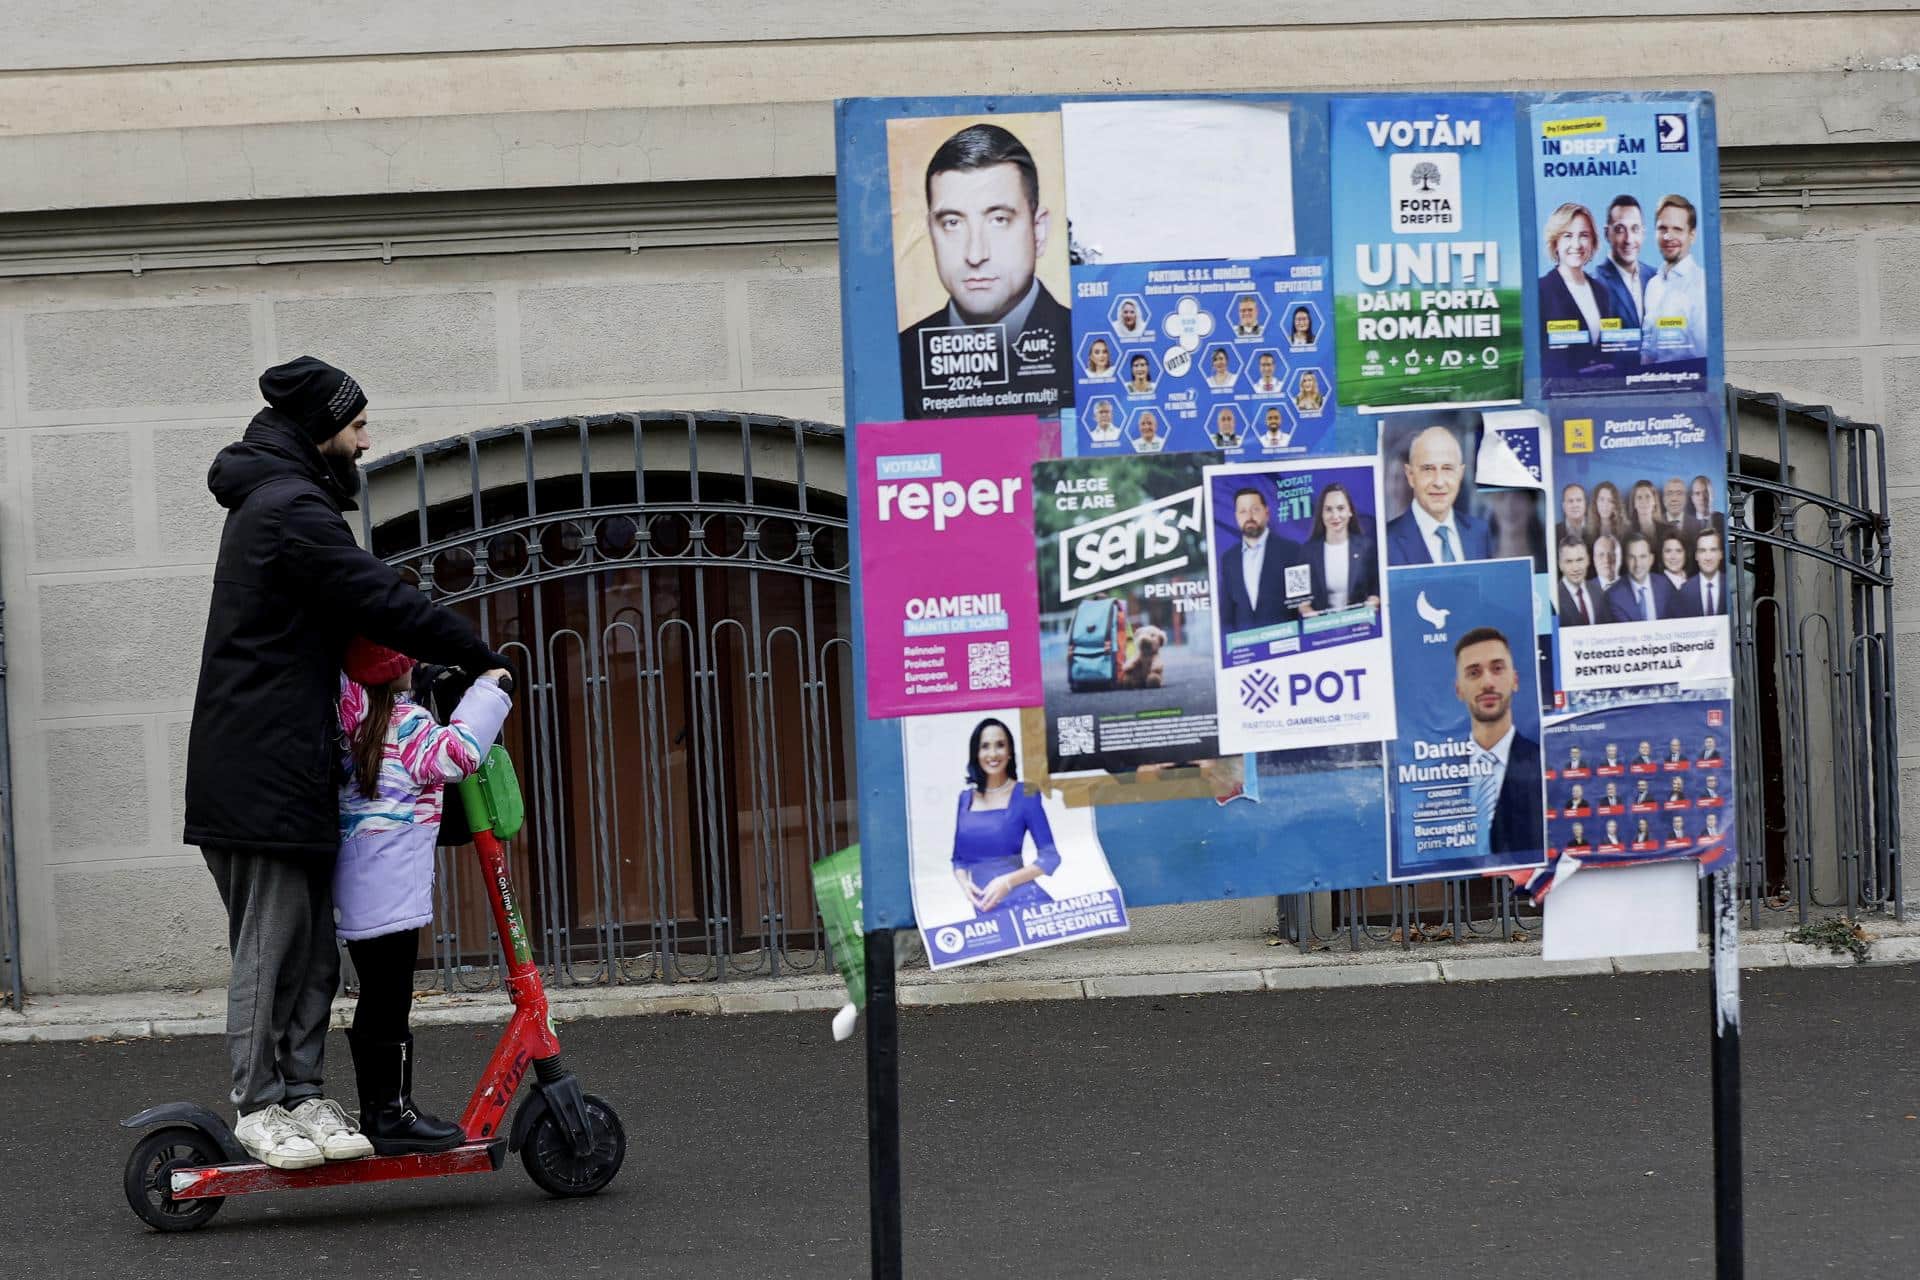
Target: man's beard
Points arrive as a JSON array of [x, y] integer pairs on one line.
[[1495, 717], [345, 470]]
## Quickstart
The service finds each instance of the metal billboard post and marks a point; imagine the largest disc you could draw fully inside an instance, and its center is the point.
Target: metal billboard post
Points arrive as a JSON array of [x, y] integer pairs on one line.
[[883, 1107], [1729, 1217]]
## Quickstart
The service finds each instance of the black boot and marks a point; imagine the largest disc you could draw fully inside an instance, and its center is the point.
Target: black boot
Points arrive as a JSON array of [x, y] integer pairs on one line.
[[384, 1071]]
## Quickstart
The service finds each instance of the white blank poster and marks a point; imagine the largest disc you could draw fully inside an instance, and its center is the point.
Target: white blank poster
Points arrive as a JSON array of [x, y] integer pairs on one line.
[[1160, 181], [1624, 911]]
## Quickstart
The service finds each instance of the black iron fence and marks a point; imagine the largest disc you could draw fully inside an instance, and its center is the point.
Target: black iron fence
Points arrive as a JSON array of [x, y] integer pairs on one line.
[[674, 590], [1816, 721]]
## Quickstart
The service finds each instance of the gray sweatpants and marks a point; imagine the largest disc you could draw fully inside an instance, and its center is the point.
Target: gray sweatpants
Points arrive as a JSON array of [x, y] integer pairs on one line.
[[285, 970]]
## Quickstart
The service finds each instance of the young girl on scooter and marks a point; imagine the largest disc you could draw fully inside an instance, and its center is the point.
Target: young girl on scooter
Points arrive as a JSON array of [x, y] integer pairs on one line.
[[401, 761]]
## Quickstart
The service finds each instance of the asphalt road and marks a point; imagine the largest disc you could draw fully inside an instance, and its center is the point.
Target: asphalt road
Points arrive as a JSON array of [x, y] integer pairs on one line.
[[1550, 1128]]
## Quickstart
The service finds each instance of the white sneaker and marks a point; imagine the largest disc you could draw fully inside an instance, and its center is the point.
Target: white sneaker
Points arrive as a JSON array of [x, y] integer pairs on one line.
[[326, 1122], [273, 1137]]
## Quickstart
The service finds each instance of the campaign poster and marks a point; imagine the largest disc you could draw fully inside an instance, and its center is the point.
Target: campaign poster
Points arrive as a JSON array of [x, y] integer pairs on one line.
[[1180, 356], [947, 564], [1298, 574], [1640, 550], [1126, 612], [980, 265], [997, 866], [1455, 489], [1427, 262], [1467, 784], [1623, 287], [1643, 783]]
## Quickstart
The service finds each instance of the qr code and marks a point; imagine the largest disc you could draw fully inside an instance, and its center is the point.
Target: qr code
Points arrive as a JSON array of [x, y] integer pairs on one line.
[[1076, 736], [989, 665]]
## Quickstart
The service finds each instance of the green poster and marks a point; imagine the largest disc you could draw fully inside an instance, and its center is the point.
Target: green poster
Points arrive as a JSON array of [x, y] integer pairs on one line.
[[836, 887]]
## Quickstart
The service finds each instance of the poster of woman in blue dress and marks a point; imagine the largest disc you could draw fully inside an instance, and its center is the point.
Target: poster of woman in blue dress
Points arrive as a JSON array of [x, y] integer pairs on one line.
[[1001, 866]]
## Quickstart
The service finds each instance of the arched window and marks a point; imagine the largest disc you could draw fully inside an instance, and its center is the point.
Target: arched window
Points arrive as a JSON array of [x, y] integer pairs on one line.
[[673, 590]]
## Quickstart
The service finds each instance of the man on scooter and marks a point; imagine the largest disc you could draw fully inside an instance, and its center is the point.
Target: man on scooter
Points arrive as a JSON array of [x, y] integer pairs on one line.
[[290, 589]]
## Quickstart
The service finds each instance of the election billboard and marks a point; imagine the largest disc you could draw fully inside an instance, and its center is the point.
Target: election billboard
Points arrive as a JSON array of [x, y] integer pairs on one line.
[[1426, 256], [1291, 476]]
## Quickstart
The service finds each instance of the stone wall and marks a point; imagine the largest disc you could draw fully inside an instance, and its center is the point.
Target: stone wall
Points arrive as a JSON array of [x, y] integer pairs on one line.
[[115, 393]]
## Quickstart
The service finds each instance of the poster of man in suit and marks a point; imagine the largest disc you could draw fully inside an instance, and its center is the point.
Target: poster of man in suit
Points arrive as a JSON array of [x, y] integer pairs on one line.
[[980, 265], [1467, 778]]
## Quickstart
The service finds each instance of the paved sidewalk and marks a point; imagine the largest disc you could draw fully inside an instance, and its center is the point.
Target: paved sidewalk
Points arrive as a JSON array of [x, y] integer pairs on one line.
[[1063, 973]]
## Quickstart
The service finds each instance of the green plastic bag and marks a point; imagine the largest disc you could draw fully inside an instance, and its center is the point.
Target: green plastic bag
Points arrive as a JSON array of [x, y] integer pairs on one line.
[[836, 887], [492, 796]]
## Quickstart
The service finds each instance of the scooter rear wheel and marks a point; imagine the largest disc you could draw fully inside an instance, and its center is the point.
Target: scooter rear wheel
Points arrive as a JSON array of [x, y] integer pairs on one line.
[[149, 1178], [550, 1161]]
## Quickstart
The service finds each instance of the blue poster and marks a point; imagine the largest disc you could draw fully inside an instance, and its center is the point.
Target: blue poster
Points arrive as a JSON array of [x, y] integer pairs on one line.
[[1231, 357], [1623, 290], [1643, 784], [1426, 256], [1294, 555], [1466, 784], [1641, 574]]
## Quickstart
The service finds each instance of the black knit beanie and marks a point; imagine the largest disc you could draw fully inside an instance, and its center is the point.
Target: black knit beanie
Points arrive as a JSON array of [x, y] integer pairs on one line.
[[317, 396]]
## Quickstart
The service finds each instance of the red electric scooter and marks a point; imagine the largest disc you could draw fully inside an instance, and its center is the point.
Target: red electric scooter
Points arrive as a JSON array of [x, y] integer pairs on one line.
[[571, 1143]]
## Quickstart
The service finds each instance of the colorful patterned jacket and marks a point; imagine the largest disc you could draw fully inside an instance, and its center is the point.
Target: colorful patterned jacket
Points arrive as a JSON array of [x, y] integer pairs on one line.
[[383, 881]]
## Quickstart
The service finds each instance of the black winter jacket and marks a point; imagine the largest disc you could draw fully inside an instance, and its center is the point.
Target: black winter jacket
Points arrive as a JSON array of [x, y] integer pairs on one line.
[[291, 588]]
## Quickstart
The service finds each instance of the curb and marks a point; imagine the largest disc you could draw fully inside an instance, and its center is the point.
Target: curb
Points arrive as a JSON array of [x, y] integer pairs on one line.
[[81, 1018]]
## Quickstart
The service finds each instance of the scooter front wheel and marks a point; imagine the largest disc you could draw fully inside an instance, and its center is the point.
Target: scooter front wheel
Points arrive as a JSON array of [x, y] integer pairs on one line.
[[149, 1178], [550, 1161]]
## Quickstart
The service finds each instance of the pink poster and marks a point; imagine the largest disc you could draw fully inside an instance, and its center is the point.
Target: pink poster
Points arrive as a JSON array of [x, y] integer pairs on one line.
[[949, 602]]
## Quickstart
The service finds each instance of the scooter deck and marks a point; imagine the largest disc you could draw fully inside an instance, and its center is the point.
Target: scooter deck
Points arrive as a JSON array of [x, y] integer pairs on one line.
[[202, 1182]]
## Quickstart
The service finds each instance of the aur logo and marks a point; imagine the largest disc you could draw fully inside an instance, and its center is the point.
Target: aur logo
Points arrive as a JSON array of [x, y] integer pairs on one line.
[[1035, 345], [949, 940], [1259, 692], [1671, 129]]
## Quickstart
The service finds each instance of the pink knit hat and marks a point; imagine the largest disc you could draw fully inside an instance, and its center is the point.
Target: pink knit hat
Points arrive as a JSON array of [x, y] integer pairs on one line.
[[374, 665]]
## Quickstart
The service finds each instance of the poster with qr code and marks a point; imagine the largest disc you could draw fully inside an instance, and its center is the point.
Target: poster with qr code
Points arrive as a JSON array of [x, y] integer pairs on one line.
[[947, 562], [1126, 612], [1299, 601]]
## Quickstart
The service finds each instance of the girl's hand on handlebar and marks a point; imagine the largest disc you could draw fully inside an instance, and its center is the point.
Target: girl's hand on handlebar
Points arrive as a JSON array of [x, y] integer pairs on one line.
[[496, 674]]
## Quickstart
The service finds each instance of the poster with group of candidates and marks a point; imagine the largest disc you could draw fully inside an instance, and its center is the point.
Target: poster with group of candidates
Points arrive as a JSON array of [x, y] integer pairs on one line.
[[1298, 574], [1226, 356], [1467, 787], [1426, 251], [1641, 572], [1642, 783], [1126, 612], [1623, 294]]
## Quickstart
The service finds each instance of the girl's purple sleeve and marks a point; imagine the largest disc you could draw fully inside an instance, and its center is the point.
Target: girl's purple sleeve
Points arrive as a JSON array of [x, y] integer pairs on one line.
[[450, 752], [1046, 857]]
